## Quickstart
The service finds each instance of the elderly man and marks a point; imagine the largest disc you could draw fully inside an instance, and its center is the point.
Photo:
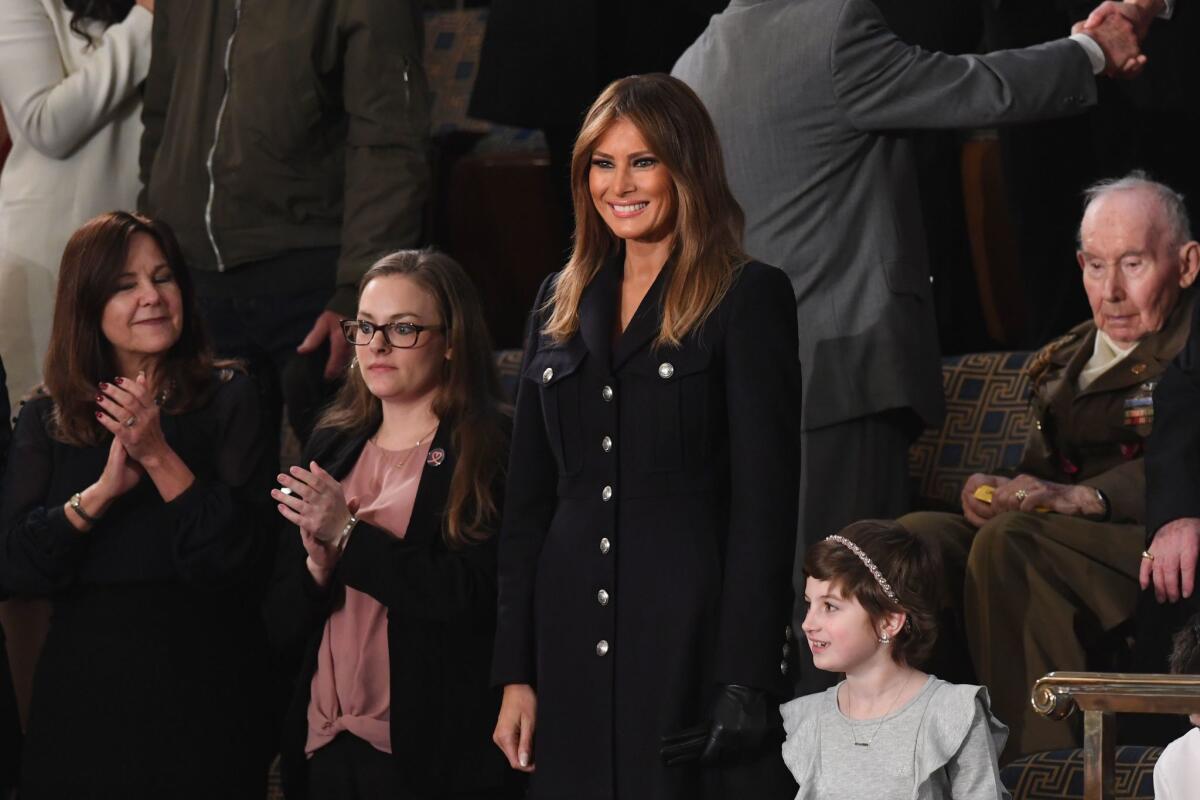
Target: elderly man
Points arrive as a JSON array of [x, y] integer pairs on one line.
[[1051, 561]]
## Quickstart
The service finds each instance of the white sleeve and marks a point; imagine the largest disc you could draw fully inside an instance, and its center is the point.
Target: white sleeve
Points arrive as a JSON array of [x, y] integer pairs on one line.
[[53, 111]]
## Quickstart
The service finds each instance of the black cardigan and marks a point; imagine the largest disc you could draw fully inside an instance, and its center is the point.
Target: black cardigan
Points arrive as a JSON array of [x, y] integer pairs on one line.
[[441, 621]]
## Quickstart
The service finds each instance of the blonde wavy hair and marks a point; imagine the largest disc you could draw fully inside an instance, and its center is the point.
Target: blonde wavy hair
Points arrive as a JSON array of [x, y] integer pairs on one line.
[[709, 223]]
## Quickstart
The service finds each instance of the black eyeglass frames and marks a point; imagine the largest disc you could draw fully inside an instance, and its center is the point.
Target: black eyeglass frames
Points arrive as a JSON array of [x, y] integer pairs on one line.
[[403, 335]]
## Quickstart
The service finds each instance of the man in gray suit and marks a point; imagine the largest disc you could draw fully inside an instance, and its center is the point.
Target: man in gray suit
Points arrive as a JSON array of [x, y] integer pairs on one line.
[[811, 98]]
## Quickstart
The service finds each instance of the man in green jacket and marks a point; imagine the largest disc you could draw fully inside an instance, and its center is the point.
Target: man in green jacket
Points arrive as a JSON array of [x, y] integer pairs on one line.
[[1044, 564], [285, 143]]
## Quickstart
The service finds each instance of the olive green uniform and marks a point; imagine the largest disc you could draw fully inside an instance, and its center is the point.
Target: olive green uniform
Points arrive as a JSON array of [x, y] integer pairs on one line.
[[1040, 591]]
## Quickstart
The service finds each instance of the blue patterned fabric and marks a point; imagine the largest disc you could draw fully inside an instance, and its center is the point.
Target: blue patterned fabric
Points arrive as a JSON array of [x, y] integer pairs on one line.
[[1058, 775], [987, 421]]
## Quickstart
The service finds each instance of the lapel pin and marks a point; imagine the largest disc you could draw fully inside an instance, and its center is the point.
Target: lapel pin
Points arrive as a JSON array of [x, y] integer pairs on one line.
[[436, 457]]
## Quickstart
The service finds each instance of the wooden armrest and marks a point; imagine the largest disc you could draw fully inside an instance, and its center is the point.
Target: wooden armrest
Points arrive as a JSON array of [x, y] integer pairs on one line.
[[1100, 695], [1058, 694]]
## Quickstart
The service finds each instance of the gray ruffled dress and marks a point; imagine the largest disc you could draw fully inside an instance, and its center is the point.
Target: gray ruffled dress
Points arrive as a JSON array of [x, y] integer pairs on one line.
[[941, 745]]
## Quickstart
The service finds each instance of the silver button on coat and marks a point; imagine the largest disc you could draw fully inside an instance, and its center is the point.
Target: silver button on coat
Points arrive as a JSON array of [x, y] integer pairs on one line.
[[606, 493], [602, 648], [666, 370], [548, 375], [602, 597], [607, 393], [606, 443], [605, 546]]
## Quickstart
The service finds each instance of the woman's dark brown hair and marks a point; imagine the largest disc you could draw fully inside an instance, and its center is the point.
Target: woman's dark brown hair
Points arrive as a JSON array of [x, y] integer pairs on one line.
[[107, 12], [469, 397], [909, 566], [709, 223], [79, 356]]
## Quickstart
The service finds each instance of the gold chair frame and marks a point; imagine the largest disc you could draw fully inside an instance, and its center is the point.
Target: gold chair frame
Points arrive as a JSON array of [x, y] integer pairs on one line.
[[1100, 696]]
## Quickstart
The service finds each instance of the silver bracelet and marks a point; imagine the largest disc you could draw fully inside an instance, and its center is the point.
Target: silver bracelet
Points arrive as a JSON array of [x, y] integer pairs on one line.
[[345, 534]]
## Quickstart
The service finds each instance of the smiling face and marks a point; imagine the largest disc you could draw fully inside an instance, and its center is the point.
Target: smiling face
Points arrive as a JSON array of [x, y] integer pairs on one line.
[[143, 318], [839, 631], [1132, 271], [630, 187], [393, 373]]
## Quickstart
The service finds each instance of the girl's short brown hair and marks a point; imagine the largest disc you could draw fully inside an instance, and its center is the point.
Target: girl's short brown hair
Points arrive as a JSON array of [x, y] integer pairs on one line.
[[908, 565]]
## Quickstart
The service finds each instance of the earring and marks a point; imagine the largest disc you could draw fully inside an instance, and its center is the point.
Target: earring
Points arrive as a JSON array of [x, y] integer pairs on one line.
[[885, 638]]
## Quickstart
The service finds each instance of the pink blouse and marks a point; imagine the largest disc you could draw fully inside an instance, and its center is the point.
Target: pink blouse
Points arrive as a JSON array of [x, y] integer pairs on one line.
[[351, 689]]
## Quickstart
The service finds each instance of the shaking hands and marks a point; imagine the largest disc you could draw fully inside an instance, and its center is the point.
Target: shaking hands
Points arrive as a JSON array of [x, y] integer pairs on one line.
[[1119, 28]]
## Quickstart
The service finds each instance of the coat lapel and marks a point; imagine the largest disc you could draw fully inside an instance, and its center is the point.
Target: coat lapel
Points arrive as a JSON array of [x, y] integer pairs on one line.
[[598, 311], [646, 322]]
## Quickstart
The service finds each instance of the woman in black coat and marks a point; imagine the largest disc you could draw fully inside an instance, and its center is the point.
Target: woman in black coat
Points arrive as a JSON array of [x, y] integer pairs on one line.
[[135, 498], [646, 548], [385, 595]]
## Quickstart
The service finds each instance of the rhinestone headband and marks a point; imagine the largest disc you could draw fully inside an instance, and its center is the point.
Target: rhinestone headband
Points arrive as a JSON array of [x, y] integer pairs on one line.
[[863, 557]]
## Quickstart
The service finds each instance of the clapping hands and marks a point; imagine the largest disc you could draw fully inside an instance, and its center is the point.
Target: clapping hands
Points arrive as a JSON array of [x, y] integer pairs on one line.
[[315, 502]]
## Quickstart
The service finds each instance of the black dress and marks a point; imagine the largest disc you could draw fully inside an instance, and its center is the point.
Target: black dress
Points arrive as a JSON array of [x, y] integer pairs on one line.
[[151, 680], [441, 607], [646, 549]]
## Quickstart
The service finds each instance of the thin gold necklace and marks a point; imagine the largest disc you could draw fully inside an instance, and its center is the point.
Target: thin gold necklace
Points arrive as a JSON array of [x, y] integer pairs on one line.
[[413, 449], [874, 733]]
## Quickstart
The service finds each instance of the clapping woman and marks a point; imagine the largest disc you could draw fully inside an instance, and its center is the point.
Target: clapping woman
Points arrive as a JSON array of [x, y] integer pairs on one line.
[[134, 500], [385, 590]]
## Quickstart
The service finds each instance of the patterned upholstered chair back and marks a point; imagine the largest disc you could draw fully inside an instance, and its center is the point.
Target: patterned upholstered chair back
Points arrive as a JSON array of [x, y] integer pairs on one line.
[[1058, 774], [987, 421]]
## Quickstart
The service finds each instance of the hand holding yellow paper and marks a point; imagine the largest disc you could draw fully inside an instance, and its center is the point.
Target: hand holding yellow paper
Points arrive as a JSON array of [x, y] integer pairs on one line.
[[984, 495]]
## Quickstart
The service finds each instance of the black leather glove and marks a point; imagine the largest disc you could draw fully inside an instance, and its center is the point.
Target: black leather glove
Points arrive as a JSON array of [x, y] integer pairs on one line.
[[740, 720]]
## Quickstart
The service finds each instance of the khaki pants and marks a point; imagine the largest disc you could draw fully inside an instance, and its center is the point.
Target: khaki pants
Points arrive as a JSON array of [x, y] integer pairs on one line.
[[1037, 592]]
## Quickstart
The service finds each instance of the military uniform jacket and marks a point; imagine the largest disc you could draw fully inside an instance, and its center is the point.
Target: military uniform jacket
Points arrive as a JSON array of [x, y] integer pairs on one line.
[[1097, 437], [648, 534]]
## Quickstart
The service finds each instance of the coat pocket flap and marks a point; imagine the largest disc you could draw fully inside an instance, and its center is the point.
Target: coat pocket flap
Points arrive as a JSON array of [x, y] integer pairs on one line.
[[550, 365]]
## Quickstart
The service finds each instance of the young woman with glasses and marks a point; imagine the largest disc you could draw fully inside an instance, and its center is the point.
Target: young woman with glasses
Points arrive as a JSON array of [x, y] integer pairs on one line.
[[385, 592]]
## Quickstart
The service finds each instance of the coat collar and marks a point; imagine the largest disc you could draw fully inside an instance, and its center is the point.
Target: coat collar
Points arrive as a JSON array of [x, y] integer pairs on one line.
[[647, 320], [1151, 356], [1147, 361], [338, 454], [598, 310]]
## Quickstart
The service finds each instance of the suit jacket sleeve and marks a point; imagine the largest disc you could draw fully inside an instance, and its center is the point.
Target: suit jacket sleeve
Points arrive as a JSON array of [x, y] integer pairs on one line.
[[763, 400], [387, 173], [53, 111], [882, 83], [1173, 449], [528, 507]]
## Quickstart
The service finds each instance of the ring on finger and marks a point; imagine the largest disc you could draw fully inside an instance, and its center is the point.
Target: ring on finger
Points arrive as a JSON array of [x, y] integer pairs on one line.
[[1020, 494], [129, 423], [1146, 554]]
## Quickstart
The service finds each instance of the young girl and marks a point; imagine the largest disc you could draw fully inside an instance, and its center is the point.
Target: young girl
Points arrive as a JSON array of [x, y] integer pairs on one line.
[[888, 731], [1177, 773]]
